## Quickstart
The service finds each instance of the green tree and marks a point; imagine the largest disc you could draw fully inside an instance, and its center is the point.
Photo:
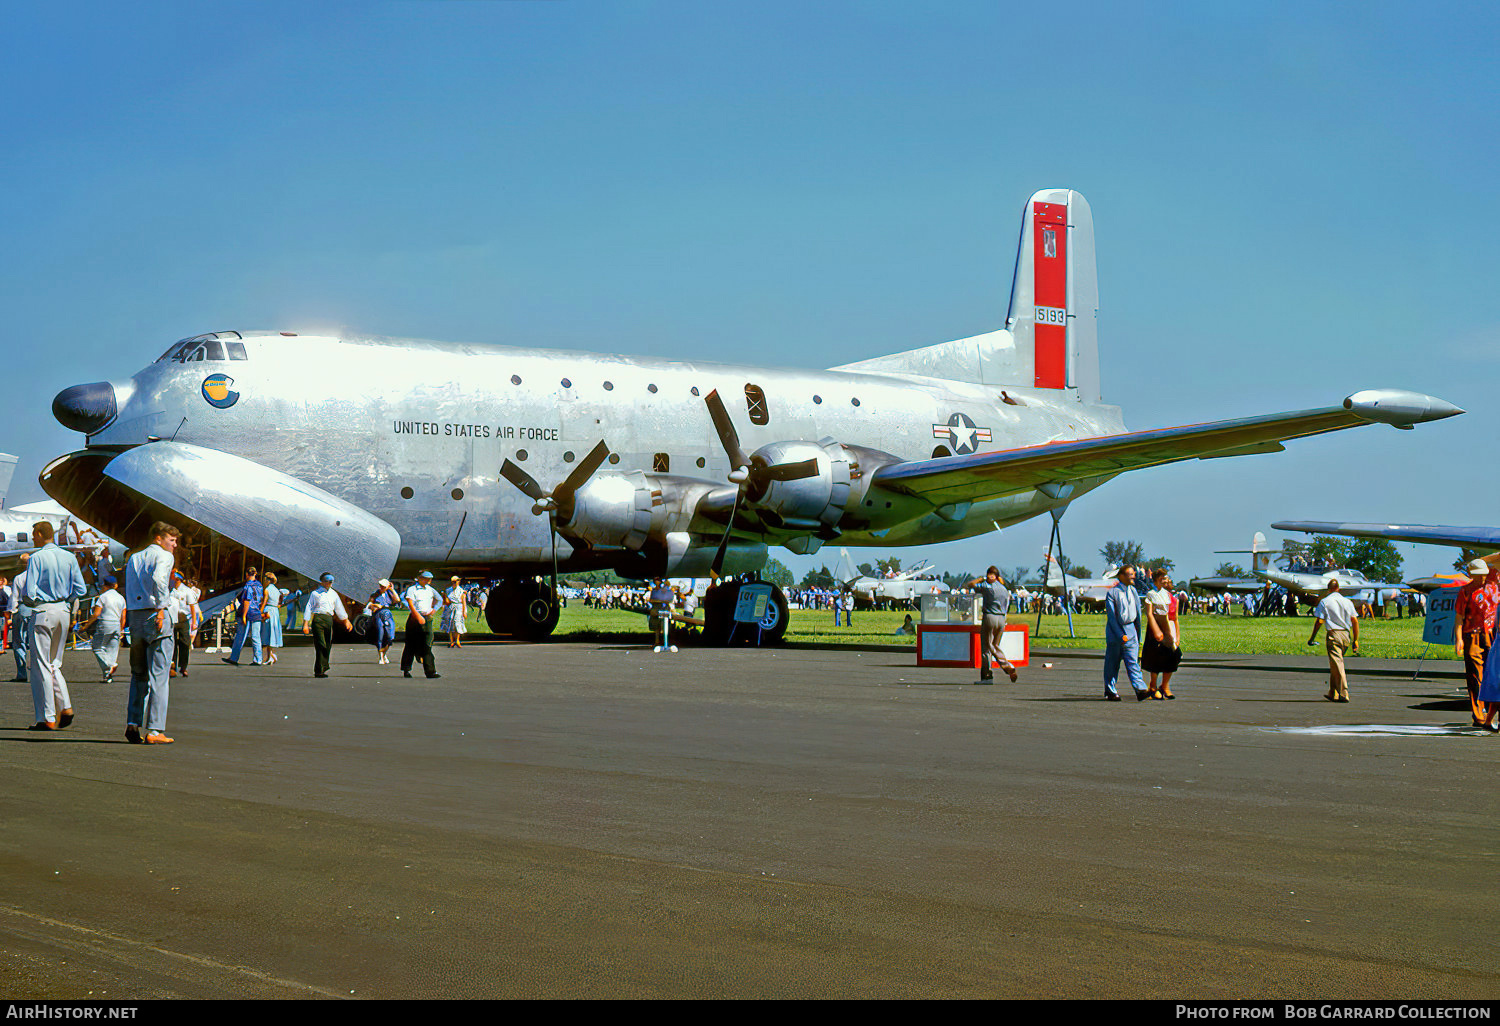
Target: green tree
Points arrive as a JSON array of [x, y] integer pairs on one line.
[[1232, 570], [775, 572], [1121, 553], [1376, 558], [819, 578]]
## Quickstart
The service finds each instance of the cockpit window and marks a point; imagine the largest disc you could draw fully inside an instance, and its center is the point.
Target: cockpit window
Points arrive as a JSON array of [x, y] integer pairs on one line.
[[201, 347]]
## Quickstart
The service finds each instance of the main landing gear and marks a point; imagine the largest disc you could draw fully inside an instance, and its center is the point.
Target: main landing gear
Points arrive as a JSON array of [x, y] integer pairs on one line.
[[720, 627], [522, 607]]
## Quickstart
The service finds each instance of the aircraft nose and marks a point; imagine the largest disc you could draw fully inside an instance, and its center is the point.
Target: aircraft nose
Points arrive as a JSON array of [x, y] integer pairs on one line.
[[85, 408]]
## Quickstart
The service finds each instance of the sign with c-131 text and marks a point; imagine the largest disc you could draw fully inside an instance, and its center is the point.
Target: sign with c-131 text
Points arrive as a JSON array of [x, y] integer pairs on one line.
[[1440, 627]]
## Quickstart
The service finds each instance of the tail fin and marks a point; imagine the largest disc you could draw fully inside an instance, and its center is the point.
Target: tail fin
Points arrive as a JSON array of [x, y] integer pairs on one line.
[[843, 570], [1054, 299], [1051, 337], [1260, 556], [7, 469], [1054, 573]]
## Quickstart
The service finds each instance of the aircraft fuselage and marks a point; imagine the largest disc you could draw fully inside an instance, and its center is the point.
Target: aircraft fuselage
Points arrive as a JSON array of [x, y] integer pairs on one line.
[[415, 431]]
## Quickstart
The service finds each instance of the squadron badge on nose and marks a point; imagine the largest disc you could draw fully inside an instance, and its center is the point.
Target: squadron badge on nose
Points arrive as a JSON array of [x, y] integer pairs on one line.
[[217, 393], [961, 434]]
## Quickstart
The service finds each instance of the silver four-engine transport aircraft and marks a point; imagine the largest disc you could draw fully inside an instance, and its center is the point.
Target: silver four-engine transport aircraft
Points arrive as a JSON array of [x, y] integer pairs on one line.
[[376, 457]]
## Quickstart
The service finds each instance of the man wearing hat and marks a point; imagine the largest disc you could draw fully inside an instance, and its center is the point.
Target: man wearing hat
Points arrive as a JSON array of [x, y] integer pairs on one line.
[[422, 603], [248, 602], [323, 605], [1474, 609], [108, 625], [1342, 621]]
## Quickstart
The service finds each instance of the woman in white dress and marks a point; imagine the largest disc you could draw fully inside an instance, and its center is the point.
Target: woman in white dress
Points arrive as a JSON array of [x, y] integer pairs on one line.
[[270, 619], [456, 614]]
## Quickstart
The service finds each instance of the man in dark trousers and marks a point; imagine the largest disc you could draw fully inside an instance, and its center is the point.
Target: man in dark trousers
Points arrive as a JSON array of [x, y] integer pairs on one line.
[[422, 602], [323, 606]]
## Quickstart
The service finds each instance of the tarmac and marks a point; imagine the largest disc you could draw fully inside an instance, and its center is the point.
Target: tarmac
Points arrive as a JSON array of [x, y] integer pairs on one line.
[[582, 820]]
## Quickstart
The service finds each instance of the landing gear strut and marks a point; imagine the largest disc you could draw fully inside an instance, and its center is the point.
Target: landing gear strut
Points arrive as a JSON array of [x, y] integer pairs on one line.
[[522, 607]]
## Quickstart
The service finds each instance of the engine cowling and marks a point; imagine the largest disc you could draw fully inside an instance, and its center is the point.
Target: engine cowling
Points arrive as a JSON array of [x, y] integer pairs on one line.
[[805, 501], [614, 510]]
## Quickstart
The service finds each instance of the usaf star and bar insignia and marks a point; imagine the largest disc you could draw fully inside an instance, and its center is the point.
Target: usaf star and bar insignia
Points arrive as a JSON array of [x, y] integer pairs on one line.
[[961, 434]]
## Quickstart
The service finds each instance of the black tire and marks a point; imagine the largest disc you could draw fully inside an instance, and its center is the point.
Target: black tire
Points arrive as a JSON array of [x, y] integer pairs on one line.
[[522, 609], [718, 618]]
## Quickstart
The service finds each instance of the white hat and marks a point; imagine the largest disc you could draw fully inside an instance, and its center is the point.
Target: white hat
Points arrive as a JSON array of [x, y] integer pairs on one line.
[[384, 583], [1479, 566]]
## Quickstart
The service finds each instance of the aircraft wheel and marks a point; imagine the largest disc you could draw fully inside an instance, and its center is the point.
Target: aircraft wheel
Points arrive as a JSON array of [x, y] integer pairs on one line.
[[521, 608], [718, 618]]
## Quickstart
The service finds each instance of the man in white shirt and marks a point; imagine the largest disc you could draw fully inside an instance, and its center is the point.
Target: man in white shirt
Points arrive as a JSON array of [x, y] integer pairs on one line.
[[422, 602], [323, 606], [1338, 614], [183, 617], [108, 625], [147, 595], [53, 584]]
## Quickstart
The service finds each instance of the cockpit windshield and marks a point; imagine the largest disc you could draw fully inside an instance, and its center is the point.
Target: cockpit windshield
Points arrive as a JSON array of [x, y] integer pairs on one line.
[[216, 345]]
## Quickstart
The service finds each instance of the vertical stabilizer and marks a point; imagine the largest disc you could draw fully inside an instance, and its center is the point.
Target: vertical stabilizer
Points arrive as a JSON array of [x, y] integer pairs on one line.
[[1054, 300], [1051, 336], [843, 570], [1260, 556], [7, 470]]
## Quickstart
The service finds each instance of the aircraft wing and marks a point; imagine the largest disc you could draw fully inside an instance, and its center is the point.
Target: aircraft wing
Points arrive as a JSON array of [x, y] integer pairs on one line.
[[955, 479], [1466, 537], [1237, 585]]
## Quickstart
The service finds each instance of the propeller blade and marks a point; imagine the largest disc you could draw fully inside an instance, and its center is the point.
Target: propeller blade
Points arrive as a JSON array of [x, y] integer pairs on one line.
[[583, 471], [792, 471], [718, 563], [522, 480], [728, 437]]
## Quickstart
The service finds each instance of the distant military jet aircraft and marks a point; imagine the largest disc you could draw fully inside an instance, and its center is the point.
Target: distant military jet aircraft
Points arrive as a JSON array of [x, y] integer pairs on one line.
[[376, 457], [1091, 591], [16, 540], [1260, 559], [902, 590], [1480, 538], [1309, 587]]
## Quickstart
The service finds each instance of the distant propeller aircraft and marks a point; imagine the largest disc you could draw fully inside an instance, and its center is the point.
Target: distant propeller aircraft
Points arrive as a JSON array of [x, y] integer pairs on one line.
[[1482, 539], [376, 457]]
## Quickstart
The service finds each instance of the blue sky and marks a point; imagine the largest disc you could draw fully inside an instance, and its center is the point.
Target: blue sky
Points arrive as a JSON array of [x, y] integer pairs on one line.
[[1292, 202]]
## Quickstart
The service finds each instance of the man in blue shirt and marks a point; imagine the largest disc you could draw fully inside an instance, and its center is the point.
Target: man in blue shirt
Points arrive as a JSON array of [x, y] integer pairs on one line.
[[148, 593], [1122, 610], [249, 602], [53, 582]]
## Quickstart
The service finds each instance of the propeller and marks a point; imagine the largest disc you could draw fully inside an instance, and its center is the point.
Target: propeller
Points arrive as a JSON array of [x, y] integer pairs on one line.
[[560, 499], [753, 474]]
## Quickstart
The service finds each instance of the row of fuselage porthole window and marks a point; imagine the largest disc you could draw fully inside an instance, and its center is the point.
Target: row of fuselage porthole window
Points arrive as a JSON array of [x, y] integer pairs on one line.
[[755, 397], [661, 463]]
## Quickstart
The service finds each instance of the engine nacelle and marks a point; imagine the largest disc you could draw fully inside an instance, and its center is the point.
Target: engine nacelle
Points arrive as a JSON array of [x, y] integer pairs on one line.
[[813, 502], [615, 510]]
